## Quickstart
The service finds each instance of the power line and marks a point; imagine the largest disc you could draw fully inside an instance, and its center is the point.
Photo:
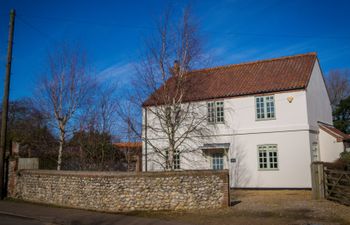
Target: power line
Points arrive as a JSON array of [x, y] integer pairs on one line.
[[119, 25], [266, 35], [43, 34], [89, 22]]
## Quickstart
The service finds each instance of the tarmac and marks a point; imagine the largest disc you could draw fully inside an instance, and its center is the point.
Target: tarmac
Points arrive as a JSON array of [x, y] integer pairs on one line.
[[23, 213]]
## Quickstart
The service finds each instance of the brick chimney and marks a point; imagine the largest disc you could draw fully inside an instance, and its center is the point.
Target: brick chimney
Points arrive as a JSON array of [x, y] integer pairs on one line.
[[176, 68]]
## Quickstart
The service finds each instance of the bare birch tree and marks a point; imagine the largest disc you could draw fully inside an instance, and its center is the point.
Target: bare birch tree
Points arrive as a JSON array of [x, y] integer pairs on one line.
[[164, 76], [338, 85], [64, 90]]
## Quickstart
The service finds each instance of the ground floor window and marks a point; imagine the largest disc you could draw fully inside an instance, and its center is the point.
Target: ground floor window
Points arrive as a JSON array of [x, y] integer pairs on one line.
[[218, 161], [176, 160], [267, 157]]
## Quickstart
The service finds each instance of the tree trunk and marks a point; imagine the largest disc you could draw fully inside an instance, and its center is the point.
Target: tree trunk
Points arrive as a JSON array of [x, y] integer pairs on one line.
[[60, 149], [59, 158], [171, 157]]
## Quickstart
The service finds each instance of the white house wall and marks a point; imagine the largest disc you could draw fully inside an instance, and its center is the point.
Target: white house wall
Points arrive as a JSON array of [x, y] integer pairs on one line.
[[330, 149], [318, 104], [293, 161], [240, 115]]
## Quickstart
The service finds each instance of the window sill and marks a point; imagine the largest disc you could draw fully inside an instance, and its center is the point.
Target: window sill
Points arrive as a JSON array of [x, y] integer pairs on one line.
[[268, 169], [216, 123], [257, 120]]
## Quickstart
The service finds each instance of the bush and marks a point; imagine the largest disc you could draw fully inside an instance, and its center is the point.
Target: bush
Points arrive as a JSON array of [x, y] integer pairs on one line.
[[345, 156], [343, 163]]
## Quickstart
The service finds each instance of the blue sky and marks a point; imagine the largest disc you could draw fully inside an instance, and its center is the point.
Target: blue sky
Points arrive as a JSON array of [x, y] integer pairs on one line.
[[112, 32]]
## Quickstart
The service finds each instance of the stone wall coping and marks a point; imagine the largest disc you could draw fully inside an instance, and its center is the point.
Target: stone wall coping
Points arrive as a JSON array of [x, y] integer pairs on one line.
[[220, 173]]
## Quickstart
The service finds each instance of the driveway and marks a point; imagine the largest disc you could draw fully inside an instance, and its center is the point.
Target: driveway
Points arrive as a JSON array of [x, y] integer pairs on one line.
[[28, 214], [263, 207]]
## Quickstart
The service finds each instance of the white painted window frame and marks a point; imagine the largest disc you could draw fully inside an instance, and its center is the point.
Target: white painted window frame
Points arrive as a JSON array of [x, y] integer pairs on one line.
[[212, 160], [213, 116], [177, 159], [268, 149], [266, 101]]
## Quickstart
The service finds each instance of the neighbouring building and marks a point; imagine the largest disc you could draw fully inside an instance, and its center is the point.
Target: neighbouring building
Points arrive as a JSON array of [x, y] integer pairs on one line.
[[269, 120], [133, 154], [334, 140]]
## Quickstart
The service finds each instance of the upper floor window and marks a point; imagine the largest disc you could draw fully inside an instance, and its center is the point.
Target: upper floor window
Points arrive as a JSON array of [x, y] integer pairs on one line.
[[215, 112], [267, 156], [265, 107]]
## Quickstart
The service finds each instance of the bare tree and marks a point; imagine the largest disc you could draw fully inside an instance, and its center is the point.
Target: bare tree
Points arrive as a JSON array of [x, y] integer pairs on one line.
[[98, 122], [338, 85], [129, 125], [101, 113], [163, 75], [64, 90]]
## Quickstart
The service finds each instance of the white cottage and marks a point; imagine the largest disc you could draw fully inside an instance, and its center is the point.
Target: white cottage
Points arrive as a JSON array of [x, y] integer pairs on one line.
[[265, 118]]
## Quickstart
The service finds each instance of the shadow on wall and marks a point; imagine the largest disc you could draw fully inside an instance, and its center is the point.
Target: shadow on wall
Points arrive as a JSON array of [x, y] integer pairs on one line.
[[240, 174], [192, 156], [196, 158]]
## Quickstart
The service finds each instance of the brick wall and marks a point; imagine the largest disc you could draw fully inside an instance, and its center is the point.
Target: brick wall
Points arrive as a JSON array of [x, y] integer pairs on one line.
[[113, 191]]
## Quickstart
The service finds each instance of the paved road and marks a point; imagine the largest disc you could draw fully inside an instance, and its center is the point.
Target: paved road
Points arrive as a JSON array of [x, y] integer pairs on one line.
[[14, 220], [13, 213]]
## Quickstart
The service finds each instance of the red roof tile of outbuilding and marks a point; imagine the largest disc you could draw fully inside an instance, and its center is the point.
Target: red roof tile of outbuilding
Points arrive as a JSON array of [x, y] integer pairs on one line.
[[338, 134], [128, 144]]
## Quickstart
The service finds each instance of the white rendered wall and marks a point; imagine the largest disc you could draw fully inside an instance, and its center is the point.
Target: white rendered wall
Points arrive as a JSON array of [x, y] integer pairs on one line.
[[240, 115], [318, 104], [330, 149], [293, 161], [195, 160]]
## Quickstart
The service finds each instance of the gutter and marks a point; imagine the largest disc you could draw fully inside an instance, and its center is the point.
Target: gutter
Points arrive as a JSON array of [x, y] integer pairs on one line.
[[146, 139]]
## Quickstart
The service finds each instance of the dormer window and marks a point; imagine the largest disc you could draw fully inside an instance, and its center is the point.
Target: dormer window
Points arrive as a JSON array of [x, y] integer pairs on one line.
[[265, 107], [216, 112]]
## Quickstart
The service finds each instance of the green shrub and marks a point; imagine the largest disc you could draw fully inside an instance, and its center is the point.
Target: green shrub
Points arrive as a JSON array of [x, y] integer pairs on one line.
[[345, 156]]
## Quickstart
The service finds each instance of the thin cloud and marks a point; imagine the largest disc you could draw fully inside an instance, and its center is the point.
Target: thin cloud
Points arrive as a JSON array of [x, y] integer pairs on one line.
[[228, 54], [123, 72]]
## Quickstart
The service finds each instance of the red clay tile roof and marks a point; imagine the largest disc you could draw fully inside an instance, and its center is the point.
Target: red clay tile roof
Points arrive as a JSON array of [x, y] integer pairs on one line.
[[128, 144], [339, 135], [263, 76]]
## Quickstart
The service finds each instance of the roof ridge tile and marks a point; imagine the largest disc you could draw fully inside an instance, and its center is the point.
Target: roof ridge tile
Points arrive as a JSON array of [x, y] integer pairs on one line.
[[254, 62]]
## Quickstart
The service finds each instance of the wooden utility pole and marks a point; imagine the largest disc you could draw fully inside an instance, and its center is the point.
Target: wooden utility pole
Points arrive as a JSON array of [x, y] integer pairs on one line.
[[5, 104]]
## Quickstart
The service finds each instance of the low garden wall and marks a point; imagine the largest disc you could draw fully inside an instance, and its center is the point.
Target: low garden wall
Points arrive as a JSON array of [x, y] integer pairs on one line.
[[113, 191]]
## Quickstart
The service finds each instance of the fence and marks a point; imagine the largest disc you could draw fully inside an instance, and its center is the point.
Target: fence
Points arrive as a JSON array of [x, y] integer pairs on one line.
[[331, 184], [76, 158], [337, 185], [28, 163]]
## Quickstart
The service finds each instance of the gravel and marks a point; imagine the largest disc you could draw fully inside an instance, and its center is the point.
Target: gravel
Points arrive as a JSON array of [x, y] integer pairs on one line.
[[294, 207]]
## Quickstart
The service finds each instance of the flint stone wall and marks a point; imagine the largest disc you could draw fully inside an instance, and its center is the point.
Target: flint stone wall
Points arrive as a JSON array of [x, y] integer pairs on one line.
[[114, 192]]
